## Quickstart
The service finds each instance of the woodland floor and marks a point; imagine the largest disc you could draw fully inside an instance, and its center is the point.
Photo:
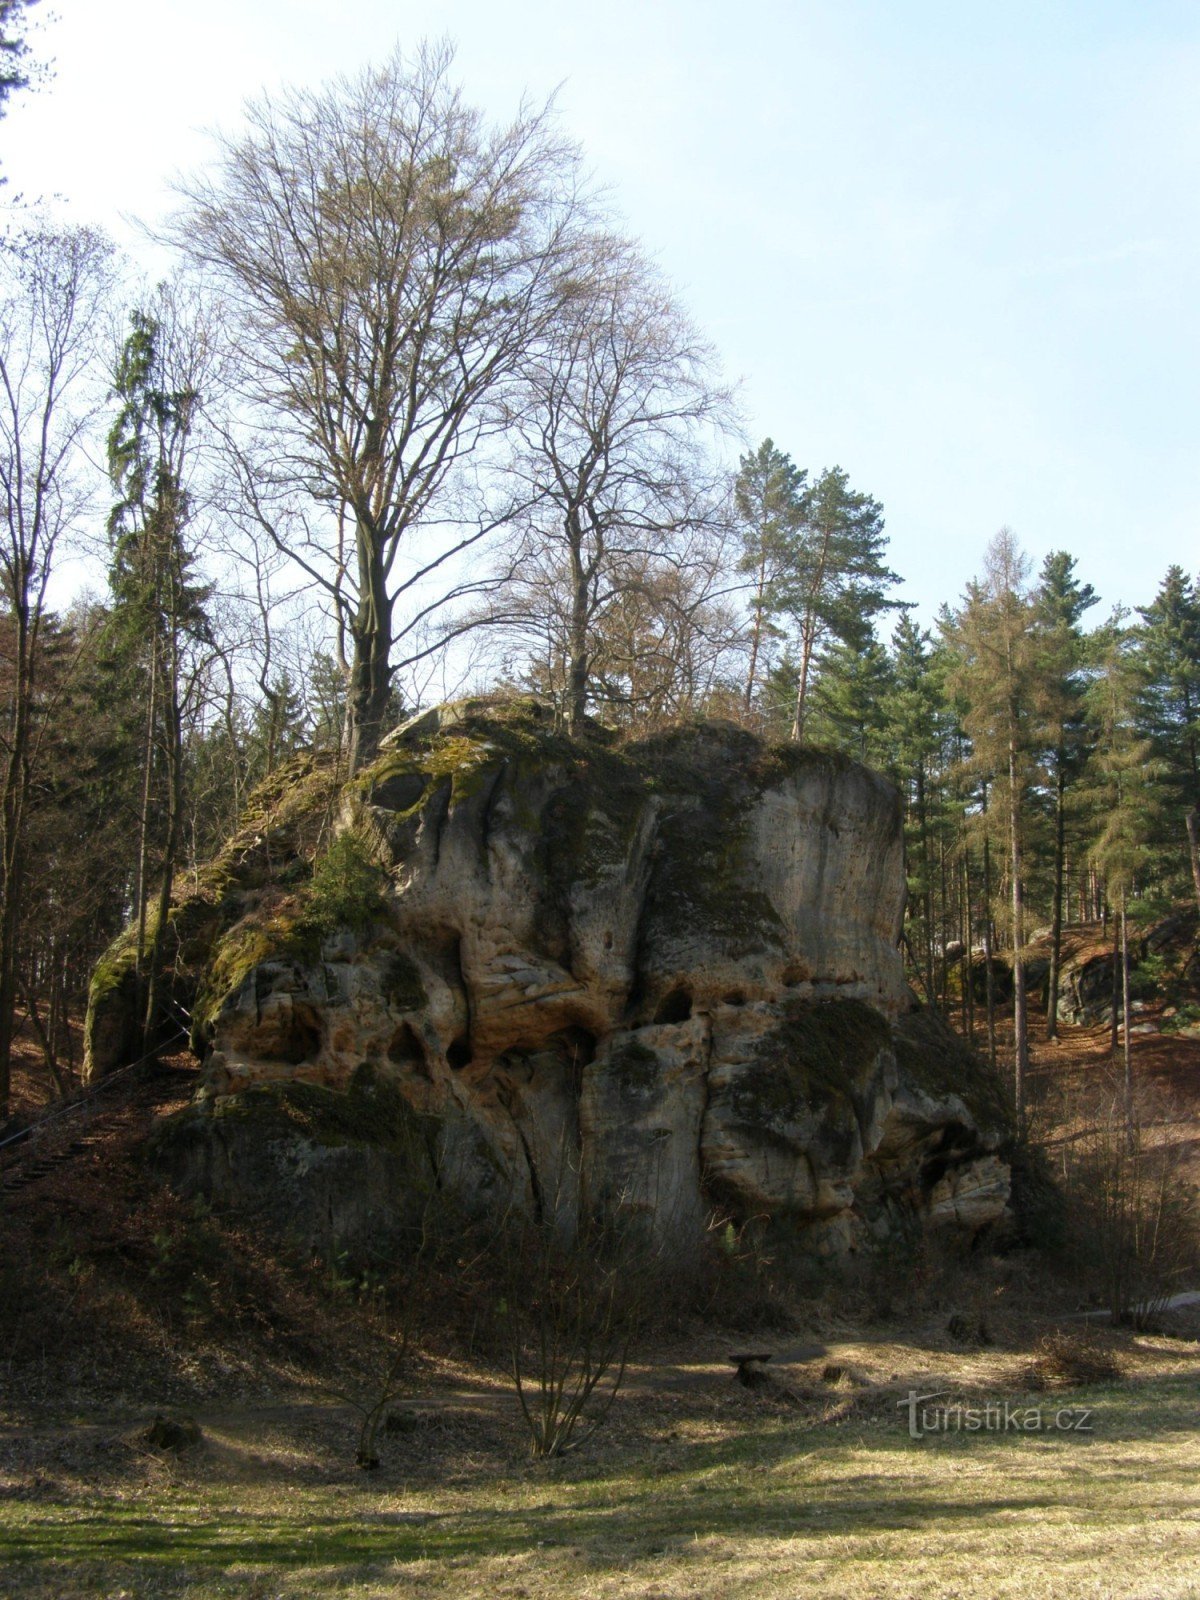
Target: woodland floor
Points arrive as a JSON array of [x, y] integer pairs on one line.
[[117, 1302]]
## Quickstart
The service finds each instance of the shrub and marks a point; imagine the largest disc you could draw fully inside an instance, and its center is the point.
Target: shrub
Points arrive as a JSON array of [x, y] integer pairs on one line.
[[1067, 1358], [1133, 1222], [346, 889], [572, 1308]]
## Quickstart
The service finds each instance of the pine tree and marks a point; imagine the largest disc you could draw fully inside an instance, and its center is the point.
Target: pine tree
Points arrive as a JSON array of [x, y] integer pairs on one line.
[[1170, 701], [848, 701], [1059, 603], [1125, 789], [769, 500], [833, 582]]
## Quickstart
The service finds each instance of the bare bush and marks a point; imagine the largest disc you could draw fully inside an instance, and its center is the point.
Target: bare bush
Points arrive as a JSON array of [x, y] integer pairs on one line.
[[572, 1308], [1069, 1358], [1133, 1220]]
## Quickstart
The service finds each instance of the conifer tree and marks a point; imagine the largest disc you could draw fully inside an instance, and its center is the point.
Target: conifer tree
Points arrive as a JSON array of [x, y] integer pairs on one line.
[[833, 582], [1060, 602], [158, 604], [1170, 703], [1125, 789], [994, 670], [769, 499], [913, 711]]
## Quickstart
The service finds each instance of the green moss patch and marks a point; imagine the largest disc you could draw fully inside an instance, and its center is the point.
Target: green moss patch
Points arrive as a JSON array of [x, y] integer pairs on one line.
[[371, 1111], [818, 1057], [930, 1053]]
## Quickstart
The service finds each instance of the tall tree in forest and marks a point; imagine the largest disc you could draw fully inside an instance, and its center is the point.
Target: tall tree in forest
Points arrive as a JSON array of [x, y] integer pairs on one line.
[[769, 500], [388, 259], [158, 604], [1060, 602], [992, 641], [1170, 656], [1125, 793], [55, 287], [914, 714], [609, 462], [849, 700], [833, 582]]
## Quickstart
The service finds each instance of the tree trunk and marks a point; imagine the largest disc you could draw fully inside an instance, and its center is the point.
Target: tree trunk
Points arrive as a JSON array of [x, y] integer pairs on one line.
[[1020, 1021], [806, 654], [141, 894], [1056, 914], [1193, 833], [173, 721], [12, 842], [370, 675], [988, 947], [968, 949], [1125, 1014], [582, 573], [926, 890], [1115, 991], [756, 633]]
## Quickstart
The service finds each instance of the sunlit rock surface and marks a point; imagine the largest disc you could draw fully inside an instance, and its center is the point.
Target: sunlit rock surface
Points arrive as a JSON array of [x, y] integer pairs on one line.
[[657, 981]]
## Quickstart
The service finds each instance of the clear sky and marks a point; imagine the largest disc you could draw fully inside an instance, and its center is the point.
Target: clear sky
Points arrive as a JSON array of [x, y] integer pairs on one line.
[[952, 247]]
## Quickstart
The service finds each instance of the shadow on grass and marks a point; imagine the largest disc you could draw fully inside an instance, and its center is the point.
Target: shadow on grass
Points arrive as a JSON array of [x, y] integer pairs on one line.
[[774, 1481]]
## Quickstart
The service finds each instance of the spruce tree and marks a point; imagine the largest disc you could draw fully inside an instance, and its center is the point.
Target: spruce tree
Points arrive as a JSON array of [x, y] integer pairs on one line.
[[157, 603]]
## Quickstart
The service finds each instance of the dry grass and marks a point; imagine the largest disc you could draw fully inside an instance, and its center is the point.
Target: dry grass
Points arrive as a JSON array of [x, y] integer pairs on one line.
[[734, 1497], [695, 1487]]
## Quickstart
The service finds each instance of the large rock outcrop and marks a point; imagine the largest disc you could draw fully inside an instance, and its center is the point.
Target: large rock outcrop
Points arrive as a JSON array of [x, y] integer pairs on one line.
[[659, 981]]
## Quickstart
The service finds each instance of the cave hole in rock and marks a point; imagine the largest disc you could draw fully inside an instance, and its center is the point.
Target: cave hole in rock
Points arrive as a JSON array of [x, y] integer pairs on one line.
[[675, 1006], [399, 792], [299, 1037], [735, 998], [954, 1142], [404, 1049], [458, 1052]]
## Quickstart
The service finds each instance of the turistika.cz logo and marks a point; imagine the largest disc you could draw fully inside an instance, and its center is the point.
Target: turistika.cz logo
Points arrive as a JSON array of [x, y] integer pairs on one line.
[[993, 1416]]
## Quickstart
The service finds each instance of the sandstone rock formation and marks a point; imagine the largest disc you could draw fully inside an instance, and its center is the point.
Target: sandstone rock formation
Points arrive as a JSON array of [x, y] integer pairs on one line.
[[657, 981]]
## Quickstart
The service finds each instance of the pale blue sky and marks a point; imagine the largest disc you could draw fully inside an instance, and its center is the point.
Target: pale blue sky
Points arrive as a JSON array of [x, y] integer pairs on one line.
[[952, 247]]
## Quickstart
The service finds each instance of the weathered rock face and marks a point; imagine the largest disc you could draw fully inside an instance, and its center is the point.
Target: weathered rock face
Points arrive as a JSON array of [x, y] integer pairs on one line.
[[661, 981]]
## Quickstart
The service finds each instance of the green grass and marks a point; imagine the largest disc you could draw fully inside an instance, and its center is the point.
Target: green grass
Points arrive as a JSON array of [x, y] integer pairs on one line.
[[765, 1508]]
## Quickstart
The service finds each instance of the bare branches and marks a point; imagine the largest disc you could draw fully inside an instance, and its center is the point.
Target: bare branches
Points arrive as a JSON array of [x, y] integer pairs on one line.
[[609, 427], [388, 259]]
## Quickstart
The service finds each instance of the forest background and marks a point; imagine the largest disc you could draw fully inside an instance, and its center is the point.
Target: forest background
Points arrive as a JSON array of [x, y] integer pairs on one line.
[[413, 416]]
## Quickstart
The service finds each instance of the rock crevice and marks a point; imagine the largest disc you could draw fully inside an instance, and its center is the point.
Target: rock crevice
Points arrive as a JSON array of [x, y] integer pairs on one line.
[[654, 982]]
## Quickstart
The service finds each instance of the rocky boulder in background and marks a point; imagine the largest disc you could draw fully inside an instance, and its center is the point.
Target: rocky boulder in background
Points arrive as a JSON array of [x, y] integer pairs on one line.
[[657, 981]]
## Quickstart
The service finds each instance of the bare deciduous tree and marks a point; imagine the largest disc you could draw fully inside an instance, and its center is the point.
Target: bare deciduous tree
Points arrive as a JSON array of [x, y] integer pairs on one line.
[[55, 285], [388, 258], [611, 464]]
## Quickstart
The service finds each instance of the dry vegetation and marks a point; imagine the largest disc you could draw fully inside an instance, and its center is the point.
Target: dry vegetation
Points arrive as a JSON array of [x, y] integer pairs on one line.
[[117, 1302]]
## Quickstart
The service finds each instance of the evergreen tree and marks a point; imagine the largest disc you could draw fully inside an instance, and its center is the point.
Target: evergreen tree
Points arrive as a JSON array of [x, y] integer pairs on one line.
[[914, 715], [769, 500], [1126, 792], [849, 701], [992, 639], [1060, 602], [1170, 703], [832, 582], [158, 606]]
